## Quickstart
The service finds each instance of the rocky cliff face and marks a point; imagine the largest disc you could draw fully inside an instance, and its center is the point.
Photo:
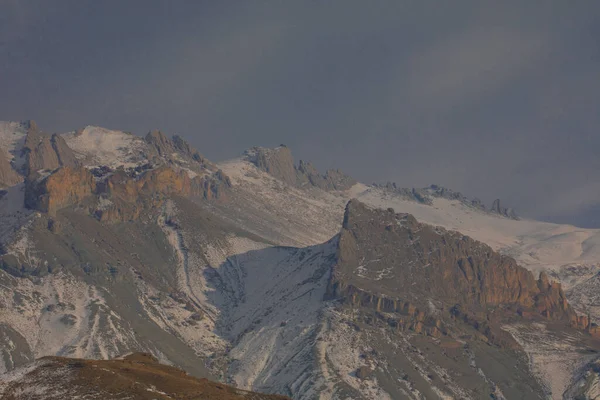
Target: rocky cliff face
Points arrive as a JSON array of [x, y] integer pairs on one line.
[[120, 195], [65, 187], [126, 197], [393, 263], [279, 163]]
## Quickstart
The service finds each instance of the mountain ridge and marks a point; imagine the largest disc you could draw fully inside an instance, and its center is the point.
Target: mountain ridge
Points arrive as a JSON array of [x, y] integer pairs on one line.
[[230, 271], [467, 267]]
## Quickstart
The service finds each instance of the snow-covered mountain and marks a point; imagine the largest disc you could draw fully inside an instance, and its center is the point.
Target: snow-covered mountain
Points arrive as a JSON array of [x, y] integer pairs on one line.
[[112, 243]]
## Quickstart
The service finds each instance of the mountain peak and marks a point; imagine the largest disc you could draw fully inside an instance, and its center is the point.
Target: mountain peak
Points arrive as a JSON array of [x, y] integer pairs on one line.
[[390, 255]]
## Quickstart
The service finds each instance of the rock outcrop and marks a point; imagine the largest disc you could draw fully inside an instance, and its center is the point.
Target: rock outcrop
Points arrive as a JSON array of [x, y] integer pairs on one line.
[[333, 179], [128, 197], [46, 152], [506, 212], [393, 263], [279, 163], [171, 148]]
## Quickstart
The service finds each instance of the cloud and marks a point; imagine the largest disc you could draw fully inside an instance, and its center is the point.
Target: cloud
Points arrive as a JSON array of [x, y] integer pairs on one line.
[[469, 65], [573, 201]]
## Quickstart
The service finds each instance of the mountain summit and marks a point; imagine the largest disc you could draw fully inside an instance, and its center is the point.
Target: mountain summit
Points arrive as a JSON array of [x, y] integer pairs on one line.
[[279, 163]]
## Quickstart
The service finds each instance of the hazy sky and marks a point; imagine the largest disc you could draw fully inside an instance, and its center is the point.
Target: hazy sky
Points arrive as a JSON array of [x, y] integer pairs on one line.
[[495, 99]]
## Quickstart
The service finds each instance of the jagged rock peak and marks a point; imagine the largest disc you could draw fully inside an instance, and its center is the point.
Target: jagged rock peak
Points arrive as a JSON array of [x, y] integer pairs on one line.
[[168, 148], [44, 151], [162, 143], [279, 163]]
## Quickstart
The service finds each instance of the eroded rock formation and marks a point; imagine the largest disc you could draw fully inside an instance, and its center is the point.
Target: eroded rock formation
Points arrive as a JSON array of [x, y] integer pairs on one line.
[[279, 163], [46, 152], [506, 212], [176, 147]]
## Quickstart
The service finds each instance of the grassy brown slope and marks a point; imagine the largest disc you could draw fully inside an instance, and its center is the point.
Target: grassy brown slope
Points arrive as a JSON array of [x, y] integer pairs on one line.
[[137, 376]]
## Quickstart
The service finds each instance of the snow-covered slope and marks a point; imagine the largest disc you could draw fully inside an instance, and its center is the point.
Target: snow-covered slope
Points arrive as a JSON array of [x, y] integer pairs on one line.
[[283, 214], [61, 315], [13, 213], [96, 146], [272, 321]]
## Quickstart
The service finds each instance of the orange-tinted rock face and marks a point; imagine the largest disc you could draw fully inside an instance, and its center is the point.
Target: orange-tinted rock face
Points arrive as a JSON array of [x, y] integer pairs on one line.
[[132, 196], [160, 181], [127, 195], [67, 186]]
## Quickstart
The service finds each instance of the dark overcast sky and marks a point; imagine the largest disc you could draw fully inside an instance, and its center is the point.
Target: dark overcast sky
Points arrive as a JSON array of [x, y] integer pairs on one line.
[[495, 99]]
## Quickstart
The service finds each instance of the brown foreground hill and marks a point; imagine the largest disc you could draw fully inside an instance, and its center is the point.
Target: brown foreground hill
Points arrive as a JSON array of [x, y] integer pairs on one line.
[[136, 376]]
